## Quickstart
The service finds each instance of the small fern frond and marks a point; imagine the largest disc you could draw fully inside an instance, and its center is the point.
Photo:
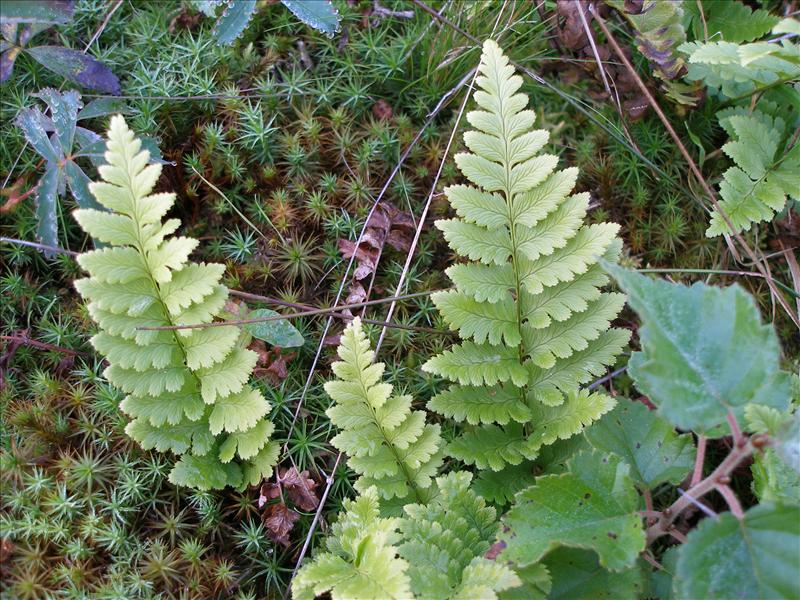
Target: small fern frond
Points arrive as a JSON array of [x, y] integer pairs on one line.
[[187, 389], [360, 561], [766, 173], [533, 321], [444, 543], [389, 445]]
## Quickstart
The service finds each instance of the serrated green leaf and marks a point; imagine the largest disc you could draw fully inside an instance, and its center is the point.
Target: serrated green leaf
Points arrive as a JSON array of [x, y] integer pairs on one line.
[[755, 557], [594, 505], [246, 444], [649, 444], [774, 480], [278, 333], [500, 487], [704, 352], [233, 20], [228, 376], [205, 347], [205, 473], [736, 22], [580, 409], [261, 465]]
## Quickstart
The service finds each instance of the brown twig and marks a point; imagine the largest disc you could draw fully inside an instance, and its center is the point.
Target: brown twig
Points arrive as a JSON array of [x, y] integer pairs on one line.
[[738, 454], [28, 341], [303, 313], [298, 306]]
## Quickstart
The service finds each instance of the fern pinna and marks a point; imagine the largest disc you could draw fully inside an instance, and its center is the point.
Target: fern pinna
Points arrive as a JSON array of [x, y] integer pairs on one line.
[[187, 388], [528, 308], [389, 445]]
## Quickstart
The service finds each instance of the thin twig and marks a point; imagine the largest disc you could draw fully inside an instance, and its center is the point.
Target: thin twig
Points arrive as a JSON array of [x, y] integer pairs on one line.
[[269, 300], [38, 246], [303, 313], [28, 341]]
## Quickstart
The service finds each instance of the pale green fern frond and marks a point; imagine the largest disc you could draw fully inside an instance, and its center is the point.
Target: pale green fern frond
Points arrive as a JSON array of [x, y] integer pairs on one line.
[[187, 389], [389, 445], [361, 561], [528, 306]]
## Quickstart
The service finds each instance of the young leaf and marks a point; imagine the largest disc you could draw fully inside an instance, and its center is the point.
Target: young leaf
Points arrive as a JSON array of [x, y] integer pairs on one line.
[[278, 333], [755, 557], [650, 445], [361, 561], [594, 505], [319, 14], [146, 279], [704, 352]]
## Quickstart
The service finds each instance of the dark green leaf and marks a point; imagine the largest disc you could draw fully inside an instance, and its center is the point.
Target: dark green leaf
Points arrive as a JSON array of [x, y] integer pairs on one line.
[[319, 14], [278, 333], [756, 557], [102, 107], [732, 21], [500, 486], [46, 209], [774, 480], [648, 443], [662, 580], [78, 183], [36, 11], [535, 584], [576, 575], [32, 122], [77, 67], [234, 20], [594, 505], [704, 352]]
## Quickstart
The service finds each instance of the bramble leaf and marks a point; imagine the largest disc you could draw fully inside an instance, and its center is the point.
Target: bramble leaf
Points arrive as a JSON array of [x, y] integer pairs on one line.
[[278, 333], [649, 444], [704, 352], [755, 557], [594, 505]]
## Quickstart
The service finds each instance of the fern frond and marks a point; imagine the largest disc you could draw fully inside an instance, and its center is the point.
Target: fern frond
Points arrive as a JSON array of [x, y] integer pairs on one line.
[[757, 188], [361, 561], [445, 540], [186, 389], [528, 307], [389, 445]]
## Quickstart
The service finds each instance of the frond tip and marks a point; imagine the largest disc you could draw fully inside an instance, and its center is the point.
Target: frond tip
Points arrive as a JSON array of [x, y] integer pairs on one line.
[[187, 389], [527, 302]]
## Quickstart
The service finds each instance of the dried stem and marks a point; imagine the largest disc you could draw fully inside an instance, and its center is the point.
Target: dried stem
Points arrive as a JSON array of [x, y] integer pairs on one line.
[[303, 313]]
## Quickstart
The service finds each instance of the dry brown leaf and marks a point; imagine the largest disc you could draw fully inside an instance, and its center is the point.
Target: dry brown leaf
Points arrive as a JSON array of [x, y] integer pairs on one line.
[[279, 520]]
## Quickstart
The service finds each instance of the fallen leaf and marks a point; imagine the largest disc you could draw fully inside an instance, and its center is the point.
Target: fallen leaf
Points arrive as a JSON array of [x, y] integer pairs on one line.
[[300, 488], [279, 520]]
